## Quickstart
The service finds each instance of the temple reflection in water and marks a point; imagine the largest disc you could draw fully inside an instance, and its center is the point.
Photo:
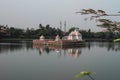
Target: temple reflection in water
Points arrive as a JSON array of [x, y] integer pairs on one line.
[[73, 51]]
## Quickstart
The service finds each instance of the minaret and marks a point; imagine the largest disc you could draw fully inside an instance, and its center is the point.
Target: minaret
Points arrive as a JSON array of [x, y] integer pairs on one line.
[[60, 25], [65, 26]]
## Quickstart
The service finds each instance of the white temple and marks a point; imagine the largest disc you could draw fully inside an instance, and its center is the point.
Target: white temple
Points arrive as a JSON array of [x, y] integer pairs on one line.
[[57, 38], [75, 35], [42, 37]]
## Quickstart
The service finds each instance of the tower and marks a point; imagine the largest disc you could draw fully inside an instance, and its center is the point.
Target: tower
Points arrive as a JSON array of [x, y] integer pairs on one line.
[[65, 26], [60, 25]]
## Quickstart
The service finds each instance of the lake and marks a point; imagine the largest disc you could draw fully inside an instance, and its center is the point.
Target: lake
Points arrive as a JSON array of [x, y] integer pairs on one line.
[[21, 60]]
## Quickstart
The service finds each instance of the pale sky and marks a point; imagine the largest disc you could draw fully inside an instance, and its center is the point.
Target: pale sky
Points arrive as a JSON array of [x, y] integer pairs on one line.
[[31, 13]]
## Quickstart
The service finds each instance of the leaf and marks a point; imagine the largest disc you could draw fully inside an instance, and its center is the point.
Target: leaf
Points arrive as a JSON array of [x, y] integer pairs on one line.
[[84, 73], [92, 72], [117, 40], [79, 75]]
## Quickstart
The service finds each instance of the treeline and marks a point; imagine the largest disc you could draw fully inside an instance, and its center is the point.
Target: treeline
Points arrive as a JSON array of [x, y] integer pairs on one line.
[[50, 33], [12, 32]]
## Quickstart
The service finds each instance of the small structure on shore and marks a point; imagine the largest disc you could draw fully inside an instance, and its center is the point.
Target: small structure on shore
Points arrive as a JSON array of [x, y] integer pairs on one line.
[[74, 35], [42, 37], [74, 38], [57, 38]]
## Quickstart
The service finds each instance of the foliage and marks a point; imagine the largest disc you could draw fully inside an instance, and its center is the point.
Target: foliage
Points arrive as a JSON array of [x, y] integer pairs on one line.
[[105, 23], [15, 32], [47, 31], [96, 13], [117, 40], [50, 33], [85, 73]]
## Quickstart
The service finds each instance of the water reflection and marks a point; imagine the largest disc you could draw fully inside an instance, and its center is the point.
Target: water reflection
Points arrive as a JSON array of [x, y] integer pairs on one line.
[[76, 51], [14, 45], [108, 45], [58, 60], [17, 45], [71, 50]]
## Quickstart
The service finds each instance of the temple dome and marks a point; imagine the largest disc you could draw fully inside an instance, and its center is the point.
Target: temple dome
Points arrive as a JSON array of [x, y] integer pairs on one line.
[[75, 35]]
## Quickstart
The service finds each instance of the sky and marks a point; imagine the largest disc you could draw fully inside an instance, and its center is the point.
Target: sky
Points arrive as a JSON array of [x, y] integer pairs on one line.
[[30, 13]]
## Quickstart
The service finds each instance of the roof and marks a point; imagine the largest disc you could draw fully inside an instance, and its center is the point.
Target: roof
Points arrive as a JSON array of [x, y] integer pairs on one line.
[[75, 32]]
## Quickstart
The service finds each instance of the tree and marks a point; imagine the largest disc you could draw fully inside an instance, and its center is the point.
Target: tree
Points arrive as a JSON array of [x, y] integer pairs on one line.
[[40, 26], [105, 23], [110, 25], [16, 32]]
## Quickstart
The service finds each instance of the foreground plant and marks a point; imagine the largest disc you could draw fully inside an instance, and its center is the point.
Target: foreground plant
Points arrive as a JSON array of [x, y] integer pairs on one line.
[[85, 73], [117, 40]]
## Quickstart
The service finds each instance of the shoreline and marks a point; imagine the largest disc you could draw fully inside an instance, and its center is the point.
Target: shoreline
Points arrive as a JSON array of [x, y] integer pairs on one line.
[[86, 40]]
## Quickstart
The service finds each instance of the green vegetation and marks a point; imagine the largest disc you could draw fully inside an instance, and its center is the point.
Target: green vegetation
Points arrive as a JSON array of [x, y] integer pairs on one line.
[[12, 32], [85, 73], [50, 33], [117, 40]]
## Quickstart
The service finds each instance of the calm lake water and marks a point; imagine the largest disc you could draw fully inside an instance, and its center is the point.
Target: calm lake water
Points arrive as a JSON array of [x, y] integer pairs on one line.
[[20, 60]]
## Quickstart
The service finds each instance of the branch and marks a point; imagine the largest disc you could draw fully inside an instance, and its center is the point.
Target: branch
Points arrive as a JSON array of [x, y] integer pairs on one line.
[[96, 13]]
